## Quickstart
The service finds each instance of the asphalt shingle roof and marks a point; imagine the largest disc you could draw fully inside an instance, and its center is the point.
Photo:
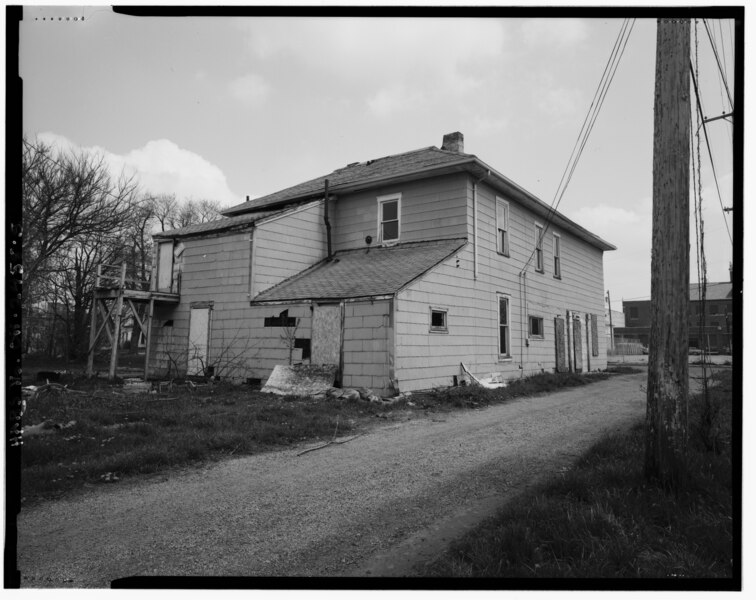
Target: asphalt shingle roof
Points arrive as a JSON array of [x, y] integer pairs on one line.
[[219, 224], [364, 272], [388, 166]]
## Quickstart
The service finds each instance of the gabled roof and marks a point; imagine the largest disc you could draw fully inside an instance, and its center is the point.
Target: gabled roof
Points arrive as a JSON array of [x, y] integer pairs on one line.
[[226, 223], [366, 272], [378, 169], [714, 291], [409, 166]]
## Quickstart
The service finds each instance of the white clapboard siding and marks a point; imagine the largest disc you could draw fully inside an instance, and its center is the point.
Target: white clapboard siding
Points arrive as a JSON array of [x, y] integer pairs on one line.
[[430, 209], [288, 245], [425, 359]]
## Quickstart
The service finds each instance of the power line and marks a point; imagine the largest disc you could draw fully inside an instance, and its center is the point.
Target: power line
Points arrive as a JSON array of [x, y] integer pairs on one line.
[[590, 119], [719, 64], [708, 147]]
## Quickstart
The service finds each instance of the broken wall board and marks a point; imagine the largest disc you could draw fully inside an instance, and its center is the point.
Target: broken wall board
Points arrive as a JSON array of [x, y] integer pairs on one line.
[[300, 380]]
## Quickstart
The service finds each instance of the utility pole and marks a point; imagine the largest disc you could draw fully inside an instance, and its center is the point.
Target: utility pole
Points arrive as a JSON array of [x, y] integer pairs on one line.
[[667, 390], [611, 327]]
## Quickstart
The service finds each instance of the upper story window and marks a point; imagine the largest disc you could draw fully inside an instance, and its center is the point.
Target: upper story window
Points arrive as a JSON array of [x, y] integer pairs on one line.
[[539, 247], [389, 221], [502, 226], [557, 256]]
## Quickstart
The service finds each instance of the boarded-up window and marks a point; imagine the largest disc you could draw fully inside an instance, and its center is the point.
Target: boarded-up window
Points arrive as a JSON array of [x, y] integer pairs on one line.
[[594, 335], [165, 267], [577, 341], [561, 361]]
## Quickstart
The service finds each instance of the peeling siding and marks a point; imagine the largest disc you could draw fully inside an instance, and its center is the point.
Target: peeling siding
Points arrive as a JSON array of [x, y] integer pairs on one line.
[[430, 209]]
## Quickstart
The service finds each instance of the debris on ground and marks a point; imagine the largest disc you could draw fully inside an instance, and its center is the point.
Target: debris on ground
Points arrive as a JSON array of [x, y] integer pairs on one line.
[[47, 427], [136, 386], [491, 381], [109, 477], [300, 380]]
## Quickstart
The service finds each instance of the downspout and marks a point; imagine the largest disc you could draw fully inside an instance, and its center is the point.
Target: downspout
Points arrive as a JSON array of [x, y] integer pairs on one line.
[[327, 222], [475, 224], [523, 310]]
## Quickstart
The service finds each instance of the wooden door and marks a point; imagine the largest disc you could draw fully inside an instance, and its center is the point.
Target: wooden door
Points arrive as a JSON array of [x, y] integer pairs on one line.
[[199, 335], [326, 334]]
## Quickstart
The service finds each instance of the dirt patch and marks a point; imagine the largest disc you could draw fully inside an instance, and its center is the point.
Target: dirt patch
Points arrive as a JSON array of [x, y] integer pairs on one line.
[[331, 512]]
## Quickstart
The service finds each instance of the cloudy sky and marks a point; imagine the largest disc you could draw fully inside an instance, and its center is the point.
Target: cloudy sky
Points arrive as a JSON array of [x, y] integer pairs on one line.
[[227, 107]]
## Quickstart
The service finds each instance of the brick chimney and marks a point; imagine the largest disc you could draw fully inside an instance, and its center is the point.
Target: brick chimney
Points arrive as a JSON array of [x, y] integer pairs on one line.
[[454, 142]]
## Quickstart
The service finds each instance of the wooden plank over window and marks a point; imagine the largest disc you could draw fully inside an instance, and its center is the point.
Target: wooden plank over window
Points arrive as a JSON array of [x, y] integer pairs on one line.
[[594, 335]]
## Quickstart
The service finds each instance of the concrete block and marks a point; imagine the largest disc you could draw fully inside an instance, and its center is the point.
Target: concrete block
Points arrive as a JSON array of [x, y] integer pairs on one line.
[[353, 346]]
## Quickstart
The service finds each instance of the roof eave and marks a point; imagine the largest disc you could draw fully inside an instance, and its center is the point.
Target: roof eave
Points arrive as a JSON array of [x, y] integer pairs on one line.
[[455, 167]]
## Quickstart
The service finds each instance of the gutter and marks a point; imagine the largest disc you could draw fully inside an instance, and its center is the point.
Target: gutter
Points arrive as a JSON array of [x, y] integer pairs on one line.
[[475, 224]]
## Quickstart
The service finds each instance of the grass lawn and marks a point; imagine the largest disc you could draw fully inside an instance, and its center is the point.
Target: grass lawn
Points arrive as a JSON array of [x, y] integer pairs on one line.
[[98, 434], [602, 519]]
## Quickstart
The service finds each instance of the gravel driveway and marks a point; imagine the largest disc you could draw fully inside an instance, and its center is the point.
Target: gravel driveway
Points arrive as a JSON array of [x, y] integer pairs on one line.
[[374, 506]]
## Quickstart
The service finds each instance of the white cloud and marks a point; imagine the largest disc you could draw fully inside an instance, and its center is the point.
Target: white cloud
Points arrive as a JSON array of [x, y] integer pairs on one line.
[[250, 89], [162, 167], [550, 32], [560, 102], [380, 50], [388, 101]]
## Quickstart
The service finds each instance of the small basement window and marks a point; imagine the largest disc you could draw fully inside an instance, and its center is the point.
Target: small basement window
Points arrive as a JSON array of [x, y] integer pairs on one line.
[[438, 320], [535, 327]]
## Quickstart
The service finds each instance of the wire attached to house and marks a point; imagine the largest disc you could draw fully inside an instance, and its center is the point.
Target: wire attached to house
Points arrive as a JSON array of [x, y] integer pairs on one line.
[[594, 109]]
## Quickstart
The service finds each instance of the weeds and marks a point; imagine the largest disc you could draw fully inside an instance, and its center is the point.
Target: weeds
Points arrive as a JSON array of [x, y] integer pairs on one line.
[[145, 433], [600, 518]]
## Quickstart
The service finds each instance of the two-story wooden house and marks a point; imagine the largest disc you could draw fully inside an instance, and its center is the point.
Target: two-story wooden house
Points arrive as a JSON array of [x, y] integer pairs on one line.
[[397, 270]]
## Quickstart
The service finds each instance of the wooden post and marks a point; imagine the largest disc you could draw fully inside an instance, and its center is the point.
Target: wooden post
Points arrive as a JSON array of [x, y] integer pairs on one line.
[[93, 334], [611, 327], [148, 339], [667, 391], [117, 324]]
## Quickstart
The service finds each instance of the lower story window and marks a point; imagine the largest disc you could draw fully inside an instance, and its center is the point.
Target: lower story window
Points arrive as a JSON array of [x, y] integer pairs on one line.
[[535, 327], [504, 348], [438, 320]]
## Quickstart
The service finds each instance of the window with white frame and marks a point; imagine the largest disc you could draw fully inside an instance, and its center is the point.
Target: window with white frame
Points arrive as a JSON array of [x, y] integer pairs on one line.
[[535, 327], [557, 256], [504, 329], [502, 226], [438, 322], [389, 211], [539, 247]]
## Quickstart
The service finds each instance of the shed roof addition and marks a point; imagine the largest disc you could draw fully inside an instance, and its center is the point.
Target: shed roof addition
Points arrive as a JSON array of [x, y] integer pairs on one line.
[[362, 273]]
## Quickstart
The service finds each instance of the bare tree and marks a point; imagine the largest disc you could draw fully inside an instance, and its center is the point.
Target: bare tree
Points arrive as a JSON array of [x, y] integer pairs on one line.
[[70, 204]]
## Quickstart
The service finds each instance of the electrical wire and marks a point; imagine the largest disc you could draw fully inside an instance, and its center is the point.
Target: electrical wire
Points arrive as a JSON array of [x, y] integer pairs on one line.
[[594, 109], [708, 147], [719, 64]]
